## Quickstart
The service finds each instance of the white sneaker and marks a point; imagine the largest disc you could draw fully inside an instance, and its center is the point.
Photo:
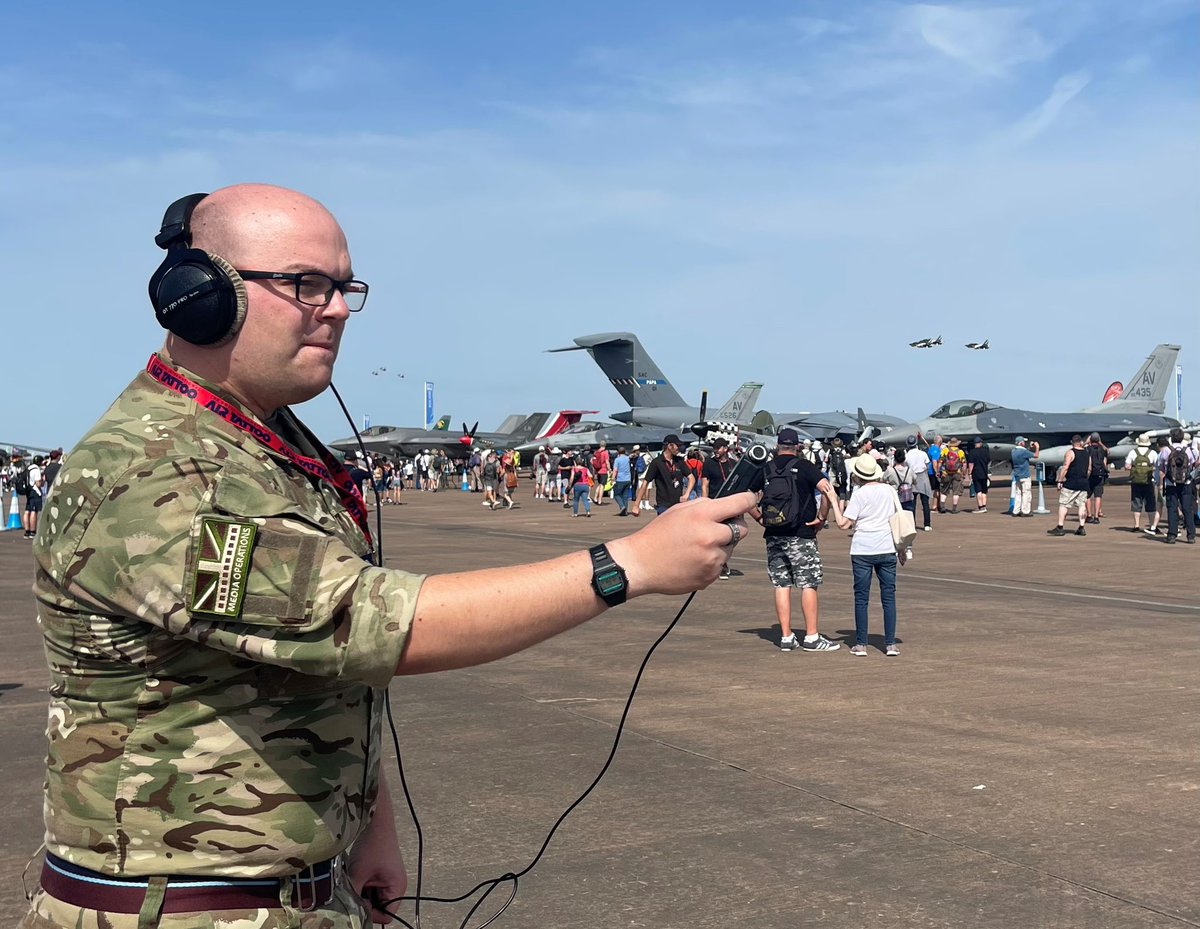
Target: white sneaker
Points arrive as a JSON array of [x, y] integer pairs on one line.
[[929, 528], [908, 555]]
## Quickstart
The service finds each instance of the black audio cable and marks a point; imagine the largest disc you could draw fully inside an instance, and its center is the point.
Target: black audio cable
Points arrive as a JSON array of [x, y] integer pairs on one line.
[[755, 457]]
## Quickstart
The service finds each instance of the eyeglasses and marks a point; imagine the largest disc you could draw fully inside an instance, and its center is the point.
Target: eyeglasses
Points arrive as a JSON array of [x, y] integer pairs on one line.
[[315, 289]]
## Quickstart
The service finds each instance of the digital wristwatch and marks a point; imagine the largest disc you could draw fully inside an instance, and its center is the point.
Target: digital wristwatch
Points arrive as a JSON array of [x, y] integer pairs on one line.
[[608, 577]]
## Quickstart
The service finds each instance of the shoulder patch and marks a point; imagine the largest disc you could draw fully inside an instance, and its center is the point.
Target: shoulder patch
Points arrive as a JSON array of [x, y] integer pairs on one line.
[[222, 564]]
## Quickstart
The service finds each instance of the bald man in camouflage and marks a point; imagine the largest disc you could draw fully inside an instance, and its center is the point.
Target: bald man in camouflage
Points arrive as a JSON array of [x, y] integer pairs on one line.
[[218, 638]]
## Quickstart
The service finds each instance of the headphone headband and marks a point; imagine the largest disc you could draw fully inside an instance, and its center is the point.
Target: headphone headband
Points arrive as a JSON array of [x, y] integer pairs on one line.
[[176, 224], [196, 295]]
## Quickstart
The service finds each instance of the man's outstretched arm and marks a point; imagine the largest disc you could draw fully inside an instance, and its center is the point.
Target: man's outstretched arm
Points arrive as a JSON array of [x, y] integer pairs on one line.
[[475, 617]]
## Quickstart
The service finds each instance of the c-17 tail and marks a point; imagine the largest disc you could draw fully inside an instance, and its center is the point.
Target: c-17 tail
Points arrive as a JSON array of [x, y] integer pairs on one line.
[[628, 368], [1146, 392]]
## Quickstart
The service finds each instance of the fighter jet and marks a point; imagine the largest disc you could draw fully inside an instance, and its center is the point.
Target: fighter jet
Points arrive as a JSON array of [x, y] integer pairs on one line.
[[1119, 422], [925, 343], [979, 346], [654, 402], [391, 440]]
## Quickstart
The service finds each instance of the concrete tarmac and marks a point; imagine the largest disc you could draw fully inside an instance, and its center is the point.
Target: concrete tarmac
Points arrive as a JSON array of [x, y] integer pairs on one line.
[[1032, 759]]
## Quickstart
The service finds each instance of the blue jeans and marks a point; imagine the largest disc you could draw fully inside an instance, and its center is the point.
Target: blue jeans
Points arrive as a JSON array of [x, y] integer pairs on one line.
[[885, 567], [622, 494], [580, 492]]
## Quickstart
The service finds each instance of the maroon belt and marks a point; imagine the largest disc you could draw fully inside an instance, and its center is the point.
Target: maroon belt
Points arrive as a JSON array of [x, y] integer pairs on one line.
[[311, 888]]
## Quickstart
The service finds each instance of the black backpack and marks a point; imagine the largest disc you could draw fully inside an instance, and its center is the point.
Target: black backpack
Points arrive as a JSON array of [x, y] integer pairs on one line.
[[1178, 467], [21, 482], [782, 505], [837, 473]]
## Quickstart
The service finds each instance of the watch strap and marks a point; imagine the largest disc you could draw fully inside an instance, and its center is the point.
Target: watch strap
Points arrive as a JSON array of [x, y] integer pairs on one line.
[[608, 577]]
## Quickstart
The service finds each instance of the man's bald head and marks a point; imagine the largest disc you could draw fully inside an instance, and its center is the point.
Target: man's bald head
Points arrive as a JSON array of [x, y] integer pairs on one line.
[[240, 222], [285, 349]]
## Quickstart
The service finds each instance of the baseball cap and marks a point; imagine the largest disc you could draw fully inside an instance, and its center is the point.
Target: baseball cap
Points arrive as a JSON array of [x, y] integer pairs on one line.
[[788, 436], [720, 443], [978, 440], [671, 438], [1021, 440], [637, 448]]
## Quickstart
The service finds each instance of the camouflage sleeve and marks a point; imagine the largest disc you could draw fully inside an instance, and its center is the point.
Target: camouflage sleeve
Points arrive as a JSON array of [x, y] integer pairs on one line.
[[231, 559]]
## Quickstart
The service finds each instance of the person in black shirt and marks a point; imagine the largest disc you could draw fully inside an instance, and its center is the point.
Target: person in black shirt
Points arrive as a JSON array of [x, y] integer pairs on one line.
[[979, 459], [673, 479], [1097, 453], [1073, 486], [716, 468], [713, 473], [792, 556]]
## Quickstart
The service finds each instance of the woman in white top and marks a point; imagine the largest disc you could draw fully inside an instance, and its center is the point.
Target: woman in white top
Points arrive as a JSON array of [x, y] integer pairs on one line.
[[871, 550]]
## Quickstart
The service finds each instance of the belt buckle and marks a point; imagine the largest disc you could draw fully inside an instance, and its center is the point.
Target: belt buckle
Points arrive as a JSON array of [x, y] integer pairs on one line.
[[298, 883]]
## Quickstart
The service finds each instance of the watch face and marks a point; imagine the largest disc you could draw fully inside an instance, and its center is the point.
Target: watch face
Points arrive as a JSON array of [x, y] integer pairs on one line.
[[609, 581]]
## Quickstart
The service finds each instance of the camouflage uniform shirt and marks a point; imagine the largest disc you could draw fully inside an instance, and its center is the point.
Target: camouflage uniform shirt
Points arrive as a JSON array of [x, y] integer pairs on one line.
[[217, 645]]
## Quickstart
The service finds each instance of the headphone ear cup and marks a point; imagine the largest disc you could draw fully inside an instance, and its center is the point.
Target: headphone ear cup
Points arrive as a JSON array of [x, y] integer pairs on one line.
[[238, 288], [198, 297]]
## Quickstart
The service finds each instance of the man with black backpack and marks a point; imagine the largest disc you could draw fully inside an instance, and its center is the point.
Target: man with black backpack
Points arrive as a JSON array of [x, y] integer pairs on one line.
[[1177, 465], [30, 485], [789, 512], [1097, 477]]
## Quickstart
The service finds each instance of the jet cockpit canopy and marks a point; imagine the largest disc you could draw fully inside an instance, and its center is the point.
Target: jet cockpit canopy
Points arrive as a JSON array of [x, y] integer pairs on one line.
[[961, 408]]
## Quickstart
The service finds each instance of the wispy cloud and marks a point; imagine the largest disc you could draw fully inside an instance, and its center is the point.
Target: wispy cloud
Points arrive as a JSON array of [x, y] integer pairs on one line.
[[990, 41], [1033, 124]]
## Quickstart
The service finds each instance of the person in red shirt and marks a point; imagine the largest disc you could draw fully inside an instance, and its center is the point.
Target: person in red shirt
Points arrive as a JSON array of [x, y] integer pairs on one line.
[[600, 467]]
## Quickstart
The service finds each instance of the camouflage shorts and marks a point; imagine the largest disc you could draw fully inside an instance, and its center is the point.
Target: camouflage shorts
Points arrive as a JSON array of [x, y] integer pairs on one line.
[[793, 562], [344, 911]]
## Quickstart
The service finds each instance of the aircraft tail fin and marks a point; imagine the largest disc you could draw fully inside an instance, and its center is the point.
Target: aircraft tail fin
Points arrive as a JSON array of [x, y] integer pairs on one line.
[[1146, 392], [528, 430], [628, 368], [443, 424], [511, 422], [740, 407]]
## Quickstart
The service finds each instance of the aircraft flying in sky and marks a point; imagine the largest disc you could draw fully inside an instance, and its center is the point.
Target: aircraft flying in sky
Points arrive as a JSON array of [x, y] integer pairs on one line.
[[925, 343], [1139, 409], [977, 346]]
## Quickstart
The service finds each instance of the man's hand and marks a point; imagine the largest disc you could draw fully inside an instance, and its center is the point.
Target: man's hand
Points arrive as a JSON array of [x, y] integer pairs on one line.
[[376, 867], [684, 548]]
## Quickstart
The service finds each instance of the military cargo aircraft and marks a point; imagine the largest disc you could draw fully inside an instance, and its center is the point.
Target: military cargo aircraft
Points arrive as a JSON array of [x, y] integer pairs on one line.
[[1139, 409], [654, 402]]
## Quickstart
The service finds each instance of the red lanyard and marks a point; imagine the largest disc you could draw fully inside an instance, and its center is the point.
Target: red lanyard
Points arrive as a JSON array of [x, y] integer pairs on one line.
[[327, 469]]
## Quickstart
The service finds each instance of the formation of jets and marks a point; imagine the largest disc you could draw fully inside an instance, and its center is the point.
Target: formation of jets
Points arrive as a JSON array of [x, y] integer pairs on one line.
[[932, 343], [925, 343]]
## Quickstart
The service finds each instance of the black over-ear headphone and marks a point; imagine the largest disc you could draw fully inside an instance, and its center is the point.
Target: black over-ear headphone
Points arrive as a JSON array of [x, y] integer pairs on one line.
[[195, 294]]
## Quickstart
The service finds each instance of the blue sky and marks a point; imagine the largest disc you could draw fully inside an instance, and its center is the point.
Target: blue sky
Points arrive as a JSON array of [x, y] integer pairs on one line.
[[787, 192]]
